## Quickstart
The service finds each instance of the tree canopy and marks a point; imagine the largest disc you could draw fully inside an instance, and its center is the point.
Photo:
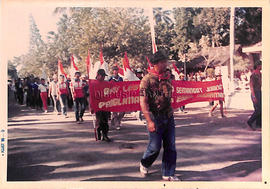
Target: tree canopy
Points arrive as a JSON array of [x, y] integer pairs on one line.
[[118, 30]]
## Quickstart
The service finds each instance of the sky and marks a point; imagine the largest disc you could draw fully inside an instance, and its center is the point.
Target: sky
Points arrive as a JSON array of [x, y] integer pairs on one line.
[[15, 26]]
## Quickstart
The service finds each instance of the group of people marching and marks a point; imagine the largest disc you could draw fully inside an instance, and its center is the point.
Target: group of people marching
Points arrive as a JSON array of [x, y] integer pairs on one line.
[[155, 102], [62, 94]]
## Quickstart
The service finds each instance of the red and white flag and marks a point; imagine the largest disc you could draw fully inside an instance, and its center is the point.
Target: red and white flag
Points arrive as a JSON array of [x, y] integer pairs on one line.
[[150, 66], [176, 72], [128, 74], [120, 70], [101, 64], [61, 69], [73, 67]]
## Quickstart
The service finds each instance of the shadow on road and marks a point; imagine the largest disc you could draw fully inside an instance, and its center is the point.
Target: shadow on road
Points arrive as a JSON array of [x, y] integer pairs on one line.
[[208, 148]]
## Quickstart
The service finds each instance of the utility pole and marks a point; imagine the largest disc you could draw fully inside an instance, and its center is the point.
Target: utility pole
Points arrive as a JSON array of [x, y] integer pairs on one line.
[[232, 48], [185, 67]]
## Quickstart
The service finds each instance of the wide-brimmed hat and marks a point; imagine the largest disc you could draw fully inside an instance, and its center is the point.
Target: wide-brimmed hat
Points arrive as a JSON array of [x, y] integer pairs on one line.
[[158, 56]]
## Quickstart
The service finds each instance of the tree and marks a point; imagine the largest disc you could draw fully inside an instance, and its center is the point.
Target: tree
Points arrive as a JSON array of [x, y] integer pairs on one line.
[[248, 25], [184, 29], [214, 23], [35, 37], [12, 71], [161, 15], [164, 31]]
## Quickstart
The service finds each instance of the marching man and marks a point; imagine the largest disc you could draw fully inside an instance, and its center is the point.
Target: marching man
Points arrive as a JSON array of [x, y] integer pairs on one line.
[[62, 94], [155, 101], [77, 92]]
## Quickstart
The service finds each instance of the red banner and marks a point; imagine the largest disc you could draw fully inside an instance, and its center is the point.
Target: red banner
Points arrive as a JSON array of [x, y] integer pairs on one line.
[[124, 96]]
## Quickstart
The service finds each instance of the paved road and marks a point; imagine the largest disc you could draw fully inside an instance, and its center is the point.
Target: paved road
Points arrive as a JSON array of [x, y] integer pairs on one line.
[[47, 147]]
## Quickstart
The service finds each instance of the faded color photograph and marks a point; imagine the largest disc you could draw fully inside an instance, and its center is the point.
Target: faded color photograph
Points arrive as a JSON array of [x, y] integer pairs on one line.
[[134, 94]]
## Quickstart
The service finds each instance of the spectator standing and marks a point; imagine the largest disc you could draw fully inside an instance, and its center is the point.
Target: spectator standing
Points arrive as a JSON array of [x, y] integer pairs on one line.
[[256, 96]]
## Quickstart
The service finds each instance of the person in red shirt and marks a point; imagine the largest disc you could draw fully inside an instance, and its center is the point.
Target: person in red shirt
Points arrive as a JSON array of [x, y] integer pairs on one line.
[[77, 92], [62, 94]]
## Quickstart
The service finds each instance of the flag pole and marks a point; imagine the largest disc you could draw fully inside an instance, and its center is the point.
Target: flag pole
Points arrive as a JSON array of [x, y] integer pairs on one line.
[[152, 29], [94, 124]]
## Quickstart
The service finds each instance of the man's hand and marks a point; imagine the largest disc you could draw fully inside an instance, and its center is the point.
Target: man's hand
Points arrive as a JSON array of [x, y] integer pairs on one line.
[[151, 126]]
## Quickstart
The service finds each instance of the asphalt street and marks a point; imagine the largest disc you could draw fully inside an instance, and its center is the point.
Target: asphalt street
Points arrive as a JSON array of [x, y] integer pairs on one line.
[[49, 147]]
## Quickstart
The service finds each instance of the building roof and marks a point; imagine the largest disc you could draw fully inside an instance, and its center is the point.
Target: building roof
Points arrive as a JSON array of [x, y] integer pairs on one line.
[[256, 48]]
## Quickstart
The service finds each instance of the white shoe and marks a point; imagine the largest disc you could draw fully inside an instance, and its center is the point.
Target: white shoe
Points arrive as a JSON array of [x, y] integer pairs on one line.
[[143, 170], [118, 128], [170, 178], [46, 111]]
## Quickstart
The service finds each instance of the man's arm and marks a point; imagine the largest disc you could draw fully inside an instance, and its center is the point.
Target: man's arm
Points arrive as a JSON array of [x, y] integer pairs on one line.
[[50, 89], [252, 89], [146, 113], [72, 90]]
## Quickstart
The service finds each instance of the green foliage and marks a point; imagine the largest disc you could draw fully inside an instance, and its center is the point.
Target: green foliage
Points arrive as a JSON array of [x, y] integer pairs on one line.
[[248, 25], [12, 71], [181, 32]]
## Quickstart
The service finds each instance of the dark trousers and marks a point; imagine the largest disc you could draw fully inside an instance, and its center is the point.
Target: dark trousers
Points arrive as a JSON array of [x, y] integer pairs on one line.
[[257, 114], [20, 95], [63, 102], [102, 118], [165, 132], [79, 107], [29, 99]]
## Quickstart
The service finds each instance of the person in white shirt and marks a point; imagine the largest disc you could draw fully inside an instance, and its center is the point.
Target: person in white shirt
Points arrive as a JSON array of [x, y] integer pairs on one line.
[[53, 94], [43, 94]]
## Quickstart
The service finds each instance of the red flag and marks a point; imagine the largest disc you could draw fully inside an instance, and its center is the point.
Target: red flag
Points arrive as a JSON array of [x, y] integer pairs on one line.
[[154, 47], [120, 70], [61, 69], [88, 63], [176, 69], [73, 63], [126, 62], [101, 56], [150, 66]]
